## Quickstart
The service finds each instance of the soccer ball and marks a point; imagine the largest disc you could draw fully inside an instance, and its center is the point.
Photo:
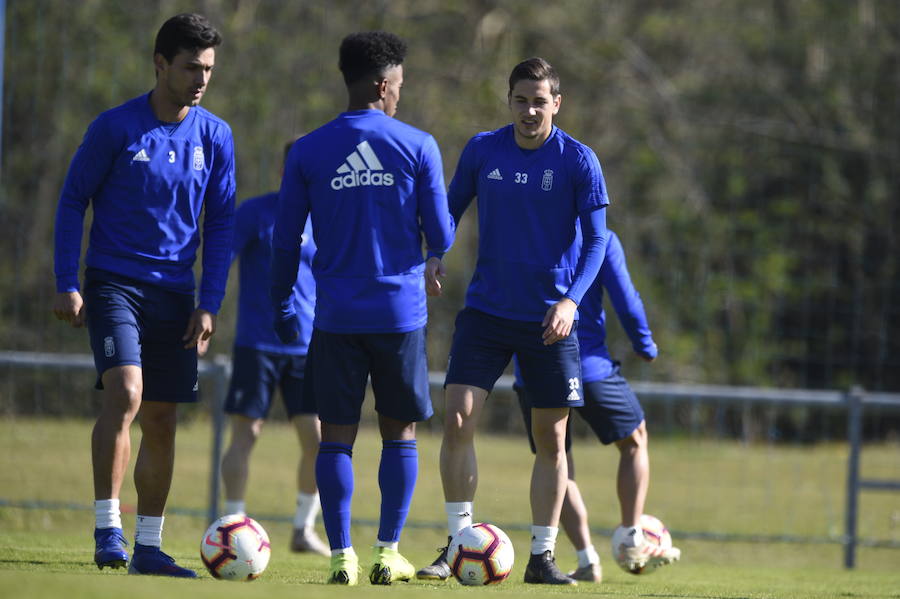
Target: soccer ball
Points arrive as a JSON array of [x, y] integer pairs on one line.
[[235, 547], [655, 534], [480, 554]]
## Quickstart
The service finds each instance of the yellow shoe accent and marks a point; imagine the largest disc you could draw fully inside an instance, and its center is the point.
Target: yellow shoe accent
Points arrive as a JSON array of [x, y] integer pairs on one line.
[[344, 568], [389, 566]]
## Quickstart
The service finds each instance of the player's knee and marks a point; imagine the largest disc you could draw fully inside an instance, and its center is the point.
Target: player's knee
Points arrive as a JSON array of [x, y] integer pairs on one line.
[[459, 428], [550, 443], [122, 395], [637, 440], [158, 420]]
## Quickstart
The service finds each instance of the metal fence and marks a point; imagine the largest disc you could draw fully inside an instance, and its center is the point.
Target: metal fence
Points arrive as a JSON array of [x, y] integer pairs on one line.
[[854, 401]]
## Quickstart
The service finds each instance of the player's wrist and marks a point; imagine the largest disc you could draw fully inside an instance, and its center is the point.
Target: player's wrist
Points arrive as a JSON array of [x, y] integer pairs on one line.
[[571, 299], [67, 285]]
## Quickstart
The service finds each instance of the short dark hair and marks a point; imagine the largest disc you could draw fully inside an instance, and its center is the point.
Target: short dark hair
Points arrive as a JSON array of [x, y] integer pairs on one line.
[[369, 53], [535, 69], [187, 31]]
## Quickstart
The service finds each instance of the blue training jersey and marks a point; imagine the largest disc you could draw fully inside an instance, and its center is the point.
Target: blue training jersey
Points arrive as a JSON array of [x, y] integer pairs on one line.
[[596, 363], [254, 223], [530, 203], [148, 182], [374, 187]]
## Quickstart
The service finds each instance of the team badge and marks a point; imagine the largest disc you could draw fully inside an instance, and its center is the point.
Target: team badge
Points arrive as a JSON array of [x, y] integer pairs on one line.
[[199, 160], [109, 347], [547, 180]]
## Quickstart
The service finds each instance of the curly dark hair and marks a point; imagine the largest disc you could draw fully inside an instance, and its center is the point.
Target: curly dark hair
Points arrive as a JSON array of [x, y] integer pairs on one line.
[[186, 31], [369, 53]]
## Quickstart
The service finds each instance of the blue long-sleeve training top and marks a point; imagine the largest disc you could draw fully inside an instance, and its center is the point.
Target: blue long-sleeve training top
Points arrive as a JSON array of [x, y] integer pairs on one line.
[[254, 223], [596, 363], [375, 188], [148, 182], [541, 221]]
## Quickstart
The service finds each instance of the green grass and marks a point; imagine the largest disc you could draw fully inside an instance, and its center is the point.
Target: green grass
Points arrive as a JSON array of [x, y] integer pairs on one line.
[[697, 487]]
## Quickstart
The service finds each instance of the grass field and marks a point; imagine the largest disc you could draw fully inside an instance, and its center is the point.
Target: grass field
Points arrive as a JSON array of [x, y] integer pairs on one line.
[[697, 487]]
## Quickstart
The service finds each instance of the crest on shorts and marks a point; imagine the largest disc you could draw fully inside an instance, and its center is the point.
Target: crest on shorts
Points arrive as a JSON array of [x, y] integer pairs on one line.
[[109, 347], [547, 180], [199, 159]]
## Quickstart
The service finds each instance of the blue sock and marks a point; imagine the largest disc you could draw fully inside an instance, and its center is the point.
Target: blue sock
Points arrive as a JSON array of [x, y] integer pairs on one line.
[[334, 475], [397, 480]]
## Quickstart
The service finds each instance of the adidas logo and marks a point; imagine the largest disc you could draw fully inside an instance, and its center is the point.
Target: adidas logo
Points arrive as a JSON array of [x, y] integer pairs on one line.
[[361, 168], [573, 396], [495, 175], [141, 156]]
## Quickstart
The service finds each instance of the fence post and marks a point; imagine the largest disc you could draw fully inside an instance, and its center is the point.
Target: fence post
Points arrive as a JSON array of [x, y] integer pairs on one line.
[[854, 438], [221, 373]]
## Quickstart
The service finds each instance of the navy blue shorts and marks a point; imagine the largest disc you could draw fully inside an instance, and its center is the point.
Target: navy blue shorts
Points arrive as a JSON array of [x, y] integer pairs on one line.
[[135, 323], [254, 376], [483, 345], [611, 409], [338, 366]]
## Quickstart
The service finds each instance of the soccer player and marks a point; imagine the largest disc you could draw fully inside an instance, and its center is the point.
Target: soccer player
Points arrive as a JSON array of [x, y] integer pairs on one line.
[[262, 361], [540, 192], [150, 167], [614, 414], [373, 187]]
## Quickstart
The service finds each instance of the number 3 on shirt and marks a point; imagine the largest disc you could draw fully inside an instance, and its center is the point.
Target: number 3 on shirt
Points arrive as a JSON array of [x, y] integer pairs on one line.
[[171, 156], [522, 178]]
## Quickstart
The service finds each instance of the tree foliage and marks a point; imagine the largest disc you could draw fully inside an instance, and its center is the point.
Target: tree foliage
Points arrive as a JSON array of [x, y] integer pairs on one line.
[[751, 151]]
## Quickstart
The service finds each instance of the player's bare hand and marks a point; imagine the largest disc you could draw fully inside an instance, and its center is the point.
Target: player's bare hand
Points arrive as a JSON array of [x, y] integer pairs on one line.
[[69, 306], [202, 346], [201, 327], [558, 321], [434, 271]]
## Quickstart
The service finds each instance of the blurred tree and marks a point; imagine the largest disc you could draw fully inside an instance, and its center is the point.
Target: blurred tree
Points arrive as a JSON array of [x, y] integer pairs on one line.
[[751, 151]]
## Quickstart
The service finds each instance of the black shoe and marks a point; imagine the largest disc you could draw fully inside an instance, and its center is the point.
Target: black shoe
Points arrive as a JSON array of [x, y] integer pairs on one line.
[[439, 568], [541, 569]]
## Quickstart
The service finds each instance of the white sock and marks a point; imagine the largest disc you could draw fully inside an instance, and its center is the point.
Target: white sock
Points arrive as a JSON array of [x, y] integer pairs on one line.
[[390, 545], [459, 515], [634, 536], [149, 530], [106, 513], [543, 538], [307, 510], [343, 550], [236, 506], [587, 556]]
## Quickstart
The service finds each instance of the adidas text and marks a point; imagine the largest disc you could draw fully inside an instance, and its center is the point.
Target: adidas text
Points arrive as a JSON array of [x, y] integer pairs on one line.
[[361, 178]]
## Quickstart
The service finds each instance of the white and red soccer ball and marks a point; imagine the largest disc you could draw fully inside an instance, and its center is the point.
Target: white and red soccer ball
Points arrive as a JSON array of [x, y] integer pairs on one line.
[[480, 554], [235, 547], [656, 537]]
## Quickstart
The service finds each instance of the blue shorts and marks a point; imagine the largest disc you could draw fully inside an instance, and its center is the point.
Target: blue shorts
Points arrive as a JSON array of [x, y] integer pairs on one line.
[[135, 323], [611, 409], [483, 345], [254, 376], [339, 364]]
